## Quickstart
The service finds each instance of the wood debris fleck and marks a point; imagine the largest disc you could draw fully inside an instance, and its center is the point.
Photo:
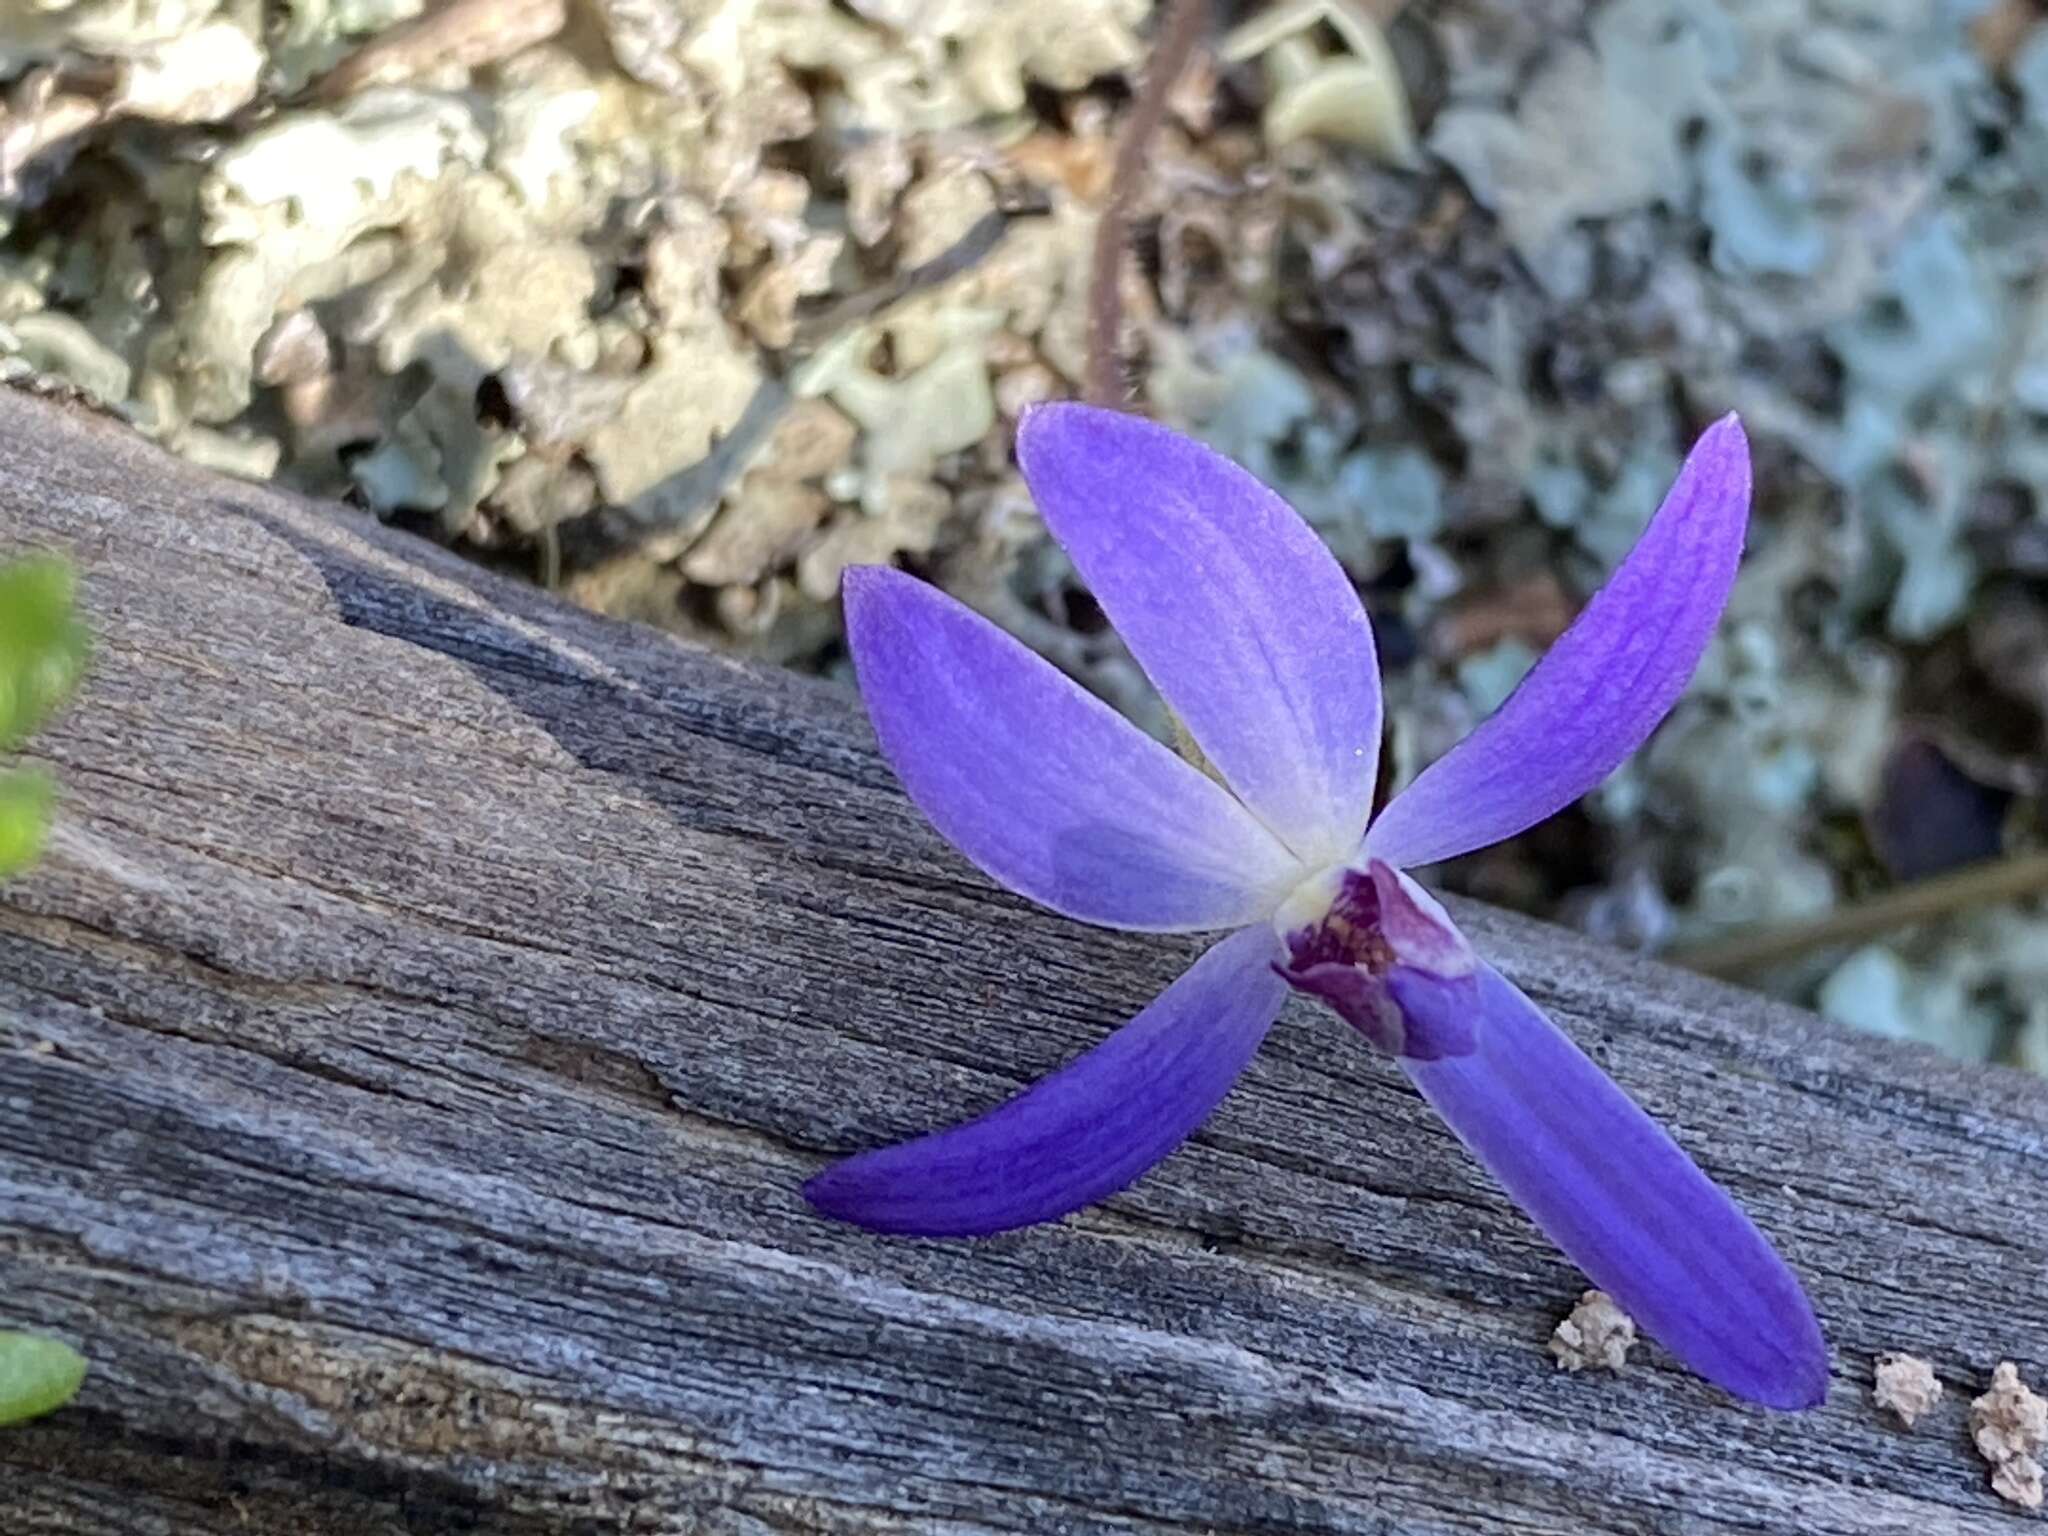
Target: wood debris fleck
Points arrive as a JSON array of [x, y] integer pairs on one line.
[[1596, 1336], [2010, 1424], [1907, 1386]]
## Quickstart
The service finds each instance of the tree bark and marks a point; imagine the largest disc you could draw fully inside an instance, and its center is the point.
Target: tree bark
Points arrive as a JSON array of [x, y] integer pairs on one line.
[[433, 997]]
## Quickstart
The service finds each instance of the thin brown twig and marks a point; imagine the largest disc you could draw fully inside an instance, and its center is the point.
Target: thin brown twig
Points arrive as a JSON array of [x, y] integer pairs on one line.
[[1179, 34], [1758, 949], [817, 326], [471, 33], [693, 491]]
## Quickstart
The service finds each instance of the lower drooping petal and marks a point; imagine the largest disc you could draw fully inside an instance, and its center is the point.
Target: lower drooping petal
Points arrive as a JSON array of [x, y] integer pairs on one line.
[[1626, 1205], [1083, 1132], [1039, 782], [1602, 688]]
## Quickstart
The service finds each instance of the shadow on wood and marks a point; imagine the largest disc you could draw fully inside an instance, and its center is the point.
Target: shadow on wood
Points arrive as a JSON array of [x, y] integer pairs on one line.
[[433, 997]]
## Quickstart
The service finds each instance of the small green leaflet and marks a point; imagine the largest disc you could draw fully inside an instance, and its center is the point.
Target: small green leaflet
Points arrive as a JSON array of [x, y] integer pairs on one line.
[[42, 644], [38, 1375], [25, 798], [42, 653]]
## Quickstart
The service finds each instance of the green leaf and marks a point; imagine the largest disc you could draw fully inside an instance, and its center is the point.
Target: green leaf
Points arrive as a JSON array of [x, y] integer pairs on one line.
[[37, 1376], [25, 799], [42, 643]]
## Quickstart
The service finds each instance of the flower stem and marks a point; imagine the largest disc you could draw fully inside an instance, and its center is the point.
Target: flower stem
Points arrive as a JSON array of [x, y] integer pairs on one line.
[[1182, 29], [1758, 949]]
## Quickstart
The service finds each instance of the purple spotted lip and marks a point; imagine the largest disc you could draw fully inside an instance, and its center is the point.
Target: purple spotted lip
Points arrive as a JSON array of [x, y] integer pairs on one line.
[[1256, 639]]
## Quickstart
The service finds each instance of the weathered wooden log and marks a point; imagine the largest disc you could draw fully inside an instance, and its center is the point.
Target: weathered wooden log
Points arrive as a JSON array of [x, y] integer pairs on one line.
[[413, 1042]]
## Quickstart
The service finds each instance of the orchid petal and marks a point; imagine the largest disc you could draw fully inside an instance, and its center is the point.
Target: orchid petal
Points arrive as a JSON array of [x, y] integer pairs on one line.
[[1235, 609], [1087, 1130], [1043, 785], [1602, 688], [1617, 1194]]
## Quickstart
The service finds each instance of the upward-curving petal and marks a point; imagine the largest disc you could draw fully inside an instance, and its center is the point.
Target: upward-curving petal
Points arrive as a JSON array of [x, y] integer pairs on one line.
[[1085, 1131], [1043, 785], [1617, 1194], [1231, 604], [1602, 688]]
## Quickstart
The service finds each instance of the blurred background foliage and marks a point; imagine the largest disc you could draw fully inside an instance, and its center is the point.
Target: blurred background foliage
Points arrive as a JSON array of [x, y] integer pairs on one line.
[[683, 305], [42, 654]]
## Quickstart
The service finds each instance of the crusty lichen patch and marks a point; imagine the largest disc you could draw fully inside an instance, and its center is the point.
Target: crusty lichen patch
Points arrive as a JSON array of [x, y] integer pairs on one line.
[[2010, 1424], [1596, 1336], [1906, 1385]]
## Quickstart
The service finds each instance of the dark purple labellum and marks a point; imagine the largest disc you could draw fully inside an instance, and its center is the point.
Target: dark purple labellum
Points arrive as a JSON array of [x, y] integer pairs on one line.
[[1377, 923]]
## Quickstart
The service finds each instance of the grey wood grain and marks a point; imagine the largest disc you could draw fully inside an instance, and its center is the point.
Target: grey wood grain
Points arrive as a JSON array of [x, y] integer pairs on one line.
[[413, 1043]]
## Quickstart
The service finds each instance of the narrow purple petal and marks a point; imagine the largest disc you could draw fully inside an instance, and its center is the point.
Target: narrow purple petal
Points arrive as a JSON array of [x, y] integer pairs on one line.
[[1043, 785], [1600, 691], [1087, 1130], [1231, 604], [1612, 1190]]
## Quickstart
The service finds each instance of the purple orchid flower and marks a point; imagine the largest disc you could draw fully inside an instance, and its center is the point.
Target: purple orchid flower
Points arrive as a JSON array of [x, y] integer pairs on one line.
[[1255, 637]]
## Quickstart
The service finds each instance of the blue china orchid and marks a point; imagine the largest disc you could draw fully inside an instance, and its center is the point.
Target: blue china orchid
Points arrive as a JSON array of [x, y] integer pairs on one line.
[[1255, 637]]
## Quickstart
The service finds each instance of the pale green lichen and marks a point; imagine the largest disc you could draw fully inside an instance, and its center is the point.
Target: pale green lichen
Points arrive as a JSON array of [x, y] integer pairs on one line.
[[1489, 676], [1598, 132], [1353, 96], [325, 289]]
